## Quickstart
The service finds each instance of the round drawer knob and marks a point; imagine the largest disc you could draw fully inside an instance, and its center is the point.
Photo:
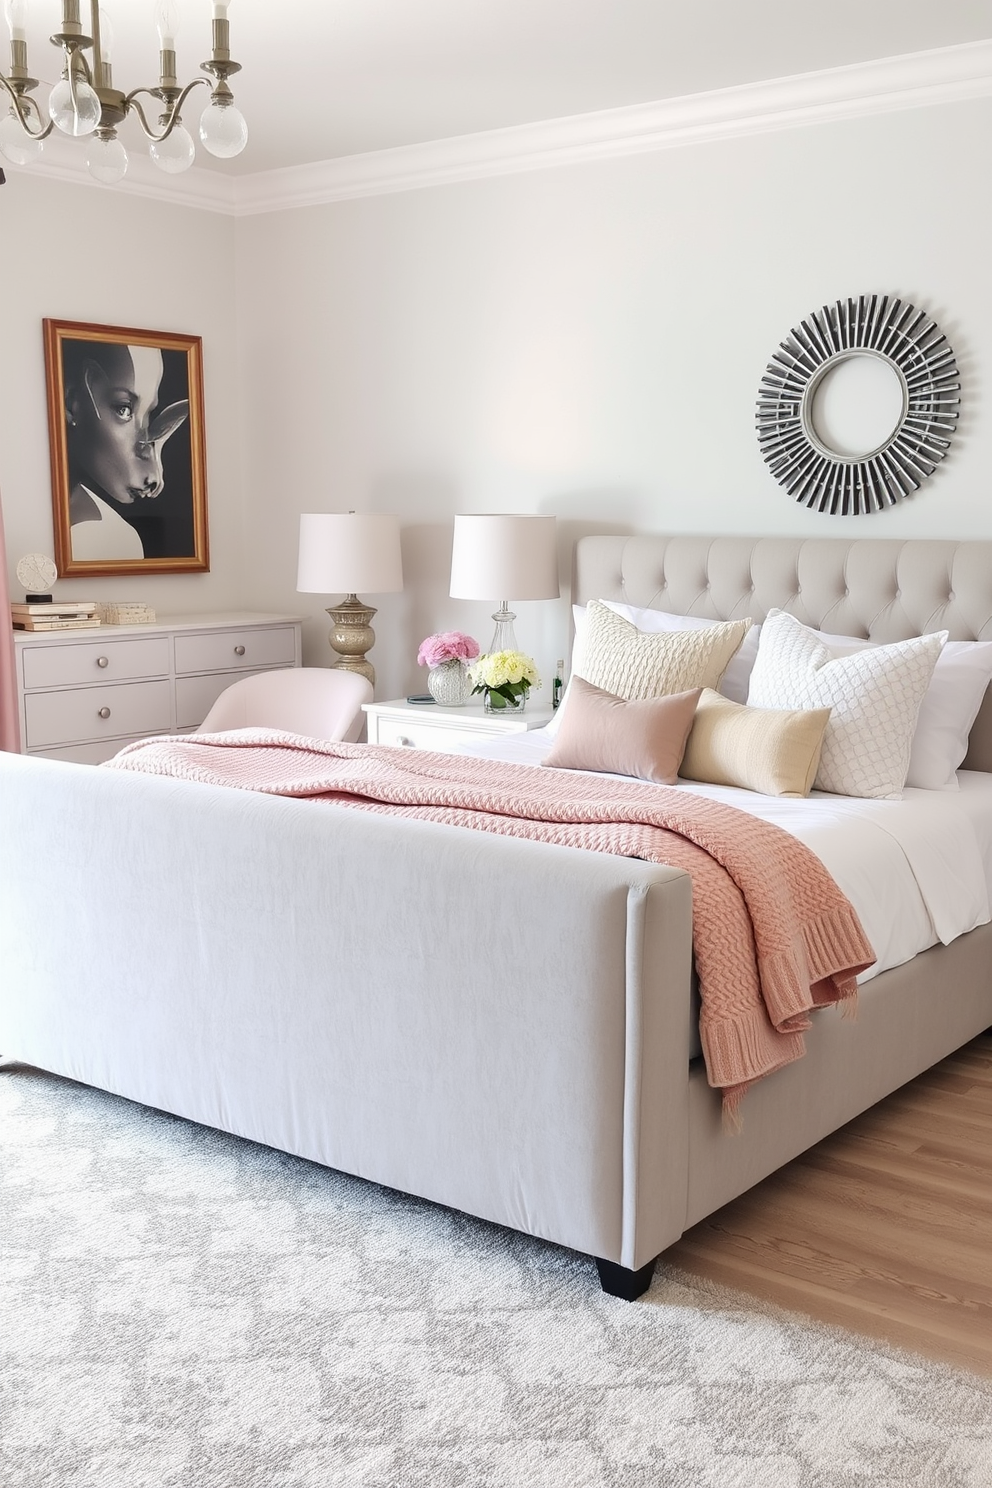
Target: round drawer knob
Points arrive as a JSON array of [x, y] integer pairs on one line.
[[103, 661], [407, 743], [104, 712], [239, 650]]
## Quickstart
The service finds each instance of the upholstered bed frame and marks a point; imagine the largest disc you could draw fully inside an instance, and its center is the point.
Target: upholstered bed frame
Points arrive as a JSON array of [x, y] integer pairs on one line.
[[334, 983]]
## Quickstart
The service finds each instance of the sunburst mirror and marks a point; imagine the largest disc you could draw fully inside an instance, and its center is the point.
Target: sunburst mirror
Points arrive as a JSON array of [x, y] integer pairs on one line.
[[858, 405]]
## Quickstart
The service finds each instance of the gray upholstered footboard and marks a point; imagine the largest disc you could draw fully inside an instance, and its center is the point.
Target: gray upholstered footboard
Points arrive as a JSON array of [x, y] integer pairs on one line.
[[495, 1024]]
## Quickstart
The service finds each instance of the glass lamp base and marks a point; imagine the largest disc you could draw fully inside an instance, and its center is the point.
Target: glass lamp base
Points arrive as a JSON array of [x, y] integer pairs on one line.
[[503, 636]]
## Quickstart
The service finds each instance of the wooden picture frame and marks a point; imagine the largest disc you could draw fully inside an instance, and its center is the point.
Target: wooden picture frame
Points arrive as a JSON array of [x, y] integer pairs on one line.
[[125, 424]]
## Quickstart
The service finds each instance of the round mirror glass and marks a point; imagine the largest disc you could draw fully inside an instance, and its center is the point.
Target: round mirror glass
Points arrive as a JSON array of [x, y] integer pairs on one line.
[[857, 406]]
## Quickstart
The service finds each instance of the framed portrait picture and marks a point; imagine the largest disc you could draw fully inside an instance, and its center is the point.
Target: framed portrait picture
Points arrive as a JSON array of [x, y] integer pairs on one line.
[[125, 424]]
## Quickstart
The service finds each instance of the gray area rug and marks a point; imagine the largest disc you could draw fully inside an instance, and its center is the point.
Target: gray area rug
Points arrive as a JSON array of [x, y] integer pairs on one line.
[[183, 1309]]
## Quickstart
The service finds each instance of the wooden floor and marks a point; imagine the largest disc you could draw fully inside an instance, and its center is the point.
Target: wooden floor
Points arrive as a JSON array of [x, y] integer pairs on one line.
[[885, 1228]]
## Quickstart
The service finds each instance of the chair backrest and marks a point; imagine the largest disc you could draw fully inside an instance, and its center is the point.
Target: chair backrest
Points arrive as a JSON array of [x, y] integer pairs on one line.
[[321, 702]]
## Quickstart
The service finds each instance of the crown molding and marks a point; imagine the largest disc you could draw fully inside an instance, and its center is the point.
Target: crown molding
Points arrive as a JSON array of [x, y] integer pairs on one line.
[[65, 160], [917, 80]]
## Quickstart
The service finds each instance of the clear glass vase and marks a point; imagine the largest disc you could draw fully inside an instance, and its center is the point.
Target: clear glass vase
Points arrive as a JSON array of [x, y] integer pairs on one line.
[[449, 684], [505, 707]]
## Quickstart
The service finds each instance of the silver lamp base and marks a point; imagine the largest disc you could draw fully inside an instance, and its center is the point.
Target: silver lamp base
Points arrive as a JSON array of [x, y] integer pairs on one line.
[[352, 635]]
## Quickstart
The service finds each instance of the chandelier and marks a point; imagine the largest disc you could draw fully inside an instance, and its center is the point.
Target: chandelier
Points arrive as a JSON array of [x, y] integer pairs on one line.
[[85, 103]]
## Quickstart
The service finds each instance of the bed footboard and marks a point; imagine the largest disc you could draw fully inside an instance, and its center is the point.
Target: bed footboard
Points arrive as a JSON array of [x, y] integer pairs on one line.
[[495, 1024]]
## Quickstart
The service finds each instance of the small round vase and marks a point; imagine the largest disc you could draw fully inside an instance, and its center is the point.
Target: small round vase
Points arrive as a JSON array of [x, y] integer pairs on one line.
[[509, 707], [449, 684]]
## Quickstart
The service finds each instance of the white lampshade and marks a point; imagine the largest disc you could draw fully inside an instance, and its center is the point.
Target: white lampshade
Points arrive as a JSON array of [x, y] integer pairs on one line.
[[504, 557], [349, 553]]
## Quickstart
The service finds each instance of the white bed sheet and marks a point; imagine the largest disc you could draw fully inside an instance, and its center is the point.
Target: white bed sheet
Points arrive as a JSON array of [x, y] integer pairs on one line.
[[917, 871]]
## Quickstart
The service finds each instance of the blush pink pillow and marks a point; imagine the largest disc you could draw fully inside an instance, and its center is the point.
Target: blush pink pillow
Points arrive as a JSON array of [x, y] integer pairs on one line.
[[644, 738]]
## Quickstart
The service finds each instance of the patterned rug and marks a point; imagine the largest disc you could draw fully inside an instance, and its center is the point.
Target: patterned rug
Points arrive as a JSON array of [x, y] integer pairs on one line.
[[182, 1309]]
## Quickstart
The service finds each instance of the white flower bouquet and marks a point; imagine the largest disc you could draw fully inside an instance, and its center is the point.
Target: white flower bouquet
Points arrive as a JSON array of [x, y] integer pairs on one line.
[[504, 678]]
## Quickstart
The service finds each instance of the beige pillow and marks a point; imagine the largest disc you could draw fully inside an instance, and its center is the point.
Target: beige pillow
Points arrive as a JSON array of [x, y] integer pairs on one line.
[[601, 732], [634, 664], [762, 749]]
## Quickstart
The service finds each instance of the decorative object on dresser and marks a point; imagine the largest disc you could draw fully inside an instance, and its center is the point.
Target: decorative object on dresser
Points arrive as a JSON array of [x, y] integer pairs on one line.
[[446, 656], [61, 616], [39, 609], [82, 697], [37, 572], [341, 552], [84, 104], [125, 425], [494, 555], [858, 405], [445, 729], [125, 612]]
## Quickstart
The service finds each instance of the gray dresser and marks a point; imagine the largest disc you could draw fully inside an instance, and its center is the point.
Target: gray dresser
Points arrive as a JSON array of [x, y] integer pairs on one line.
[[84, 694]]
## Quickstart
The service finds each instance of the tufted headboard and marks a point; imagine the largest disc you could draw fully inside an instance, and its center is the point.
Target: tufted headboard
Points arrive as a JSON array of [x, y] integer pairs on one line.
[[883, 590]]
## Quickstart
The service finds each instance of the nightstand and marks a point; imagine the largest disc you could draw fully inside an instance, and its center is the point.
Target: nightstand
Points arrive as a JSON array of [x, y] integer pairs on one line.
[[429, 726]]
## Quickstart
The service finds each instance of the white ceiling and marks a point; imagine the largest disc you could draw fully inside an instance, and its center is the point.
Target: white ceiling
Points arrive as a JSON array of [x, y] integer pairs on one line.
[[325, 78]]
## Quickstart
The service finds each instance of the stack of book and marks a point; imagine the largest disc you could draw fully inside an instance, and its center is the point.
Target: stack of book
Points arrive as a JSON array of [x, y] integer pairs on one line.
[[55, 614]]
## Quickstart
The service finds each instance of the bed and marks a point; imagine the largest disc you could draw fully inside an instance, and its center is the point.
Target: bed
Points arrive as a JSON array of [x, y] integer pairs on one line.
[[502, 1026]]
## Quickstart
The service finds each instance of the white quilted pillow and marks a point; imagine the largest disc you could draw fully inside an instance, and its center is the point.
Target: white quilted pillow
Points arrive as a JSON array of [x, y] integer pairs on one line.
[[950, 707], [874, 697]]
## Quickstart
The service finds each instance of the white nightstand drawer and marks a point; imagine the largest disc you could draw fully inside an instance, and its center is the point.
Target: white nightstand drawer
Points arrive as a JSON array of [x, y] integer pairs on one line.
[[57, 718], [430, 726], [229, 650], [95, 661], [416, 733]]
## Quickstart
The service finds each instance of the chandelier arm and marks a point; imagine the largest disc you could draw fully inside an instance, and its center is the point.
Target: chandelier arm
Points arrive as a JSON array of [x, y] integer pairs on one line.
[[172, 114], [22, 108]]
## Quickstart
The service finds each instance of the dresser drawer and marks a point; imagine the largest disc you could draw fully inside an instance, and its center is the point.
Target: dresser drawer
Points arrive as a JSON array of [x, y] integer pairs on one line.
[[229, 650], [96, 661], [55, 718], [92, 753]]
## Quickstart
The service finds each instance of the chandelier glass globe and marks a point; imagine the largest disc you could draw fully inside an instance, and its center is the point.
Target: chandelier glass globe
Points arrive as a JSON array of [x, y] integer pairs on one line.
[[106, 160], [75, 117], [223, 130], [175, 153], [18, 147]]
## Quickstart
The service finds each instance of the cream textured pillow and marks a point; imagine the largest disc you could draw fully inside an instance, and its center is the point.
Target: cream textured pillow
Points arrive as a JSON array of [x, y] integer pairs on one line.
[[874, 696], [631, 664], [761, 749], [601, 732], [733, 683]]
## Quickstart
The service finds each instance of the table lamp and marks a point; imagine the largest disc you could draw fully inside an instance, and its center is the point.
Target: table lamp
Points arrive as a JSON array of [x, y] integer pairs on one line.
[[341, 552], [515, 556]]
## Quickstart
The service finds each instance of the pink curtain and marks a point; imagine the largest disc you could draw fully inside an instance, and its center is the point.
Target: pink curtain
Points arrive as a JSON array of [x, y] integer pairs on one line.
[[10, 732]]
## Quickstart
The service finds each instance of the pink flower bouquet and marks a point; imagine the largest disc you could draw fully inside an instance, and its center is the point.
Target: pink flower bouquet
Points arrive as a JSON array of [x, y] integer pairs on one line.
[[448, 645]]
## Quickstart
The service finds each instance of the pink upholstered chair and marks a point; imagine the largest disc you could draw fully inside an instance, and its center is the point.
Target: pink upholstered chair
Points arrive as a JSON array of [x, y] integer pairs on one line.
[[321, 702]]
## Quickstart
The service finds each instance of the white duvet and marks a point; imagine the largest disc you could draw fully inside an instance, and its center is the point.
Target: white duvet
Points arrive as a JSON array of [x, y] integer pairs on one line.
[[917, 871]]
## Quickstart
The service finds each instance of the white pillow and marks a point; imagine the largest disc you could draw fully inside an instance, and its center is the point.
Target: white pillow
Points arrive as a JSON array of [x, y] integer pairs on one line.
[[874, 694], [949, 708]]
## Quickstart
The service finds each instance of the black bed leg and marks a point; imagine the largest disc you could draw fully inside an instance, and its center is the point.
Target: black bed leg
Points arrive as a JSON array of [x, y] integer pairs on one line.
[[619, 1282]]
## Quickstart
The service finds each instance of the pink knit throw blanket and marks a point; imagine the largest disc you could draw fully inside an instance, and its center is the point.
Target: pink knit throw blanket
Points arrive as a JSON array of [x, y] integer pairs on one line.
[[773, 935]]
